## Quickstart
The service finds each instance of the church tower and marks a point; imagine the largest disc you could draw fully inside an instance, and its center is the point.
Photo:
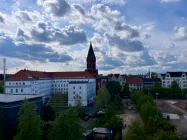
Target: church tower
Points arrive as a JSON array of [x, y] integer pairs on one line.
[[91, 62]]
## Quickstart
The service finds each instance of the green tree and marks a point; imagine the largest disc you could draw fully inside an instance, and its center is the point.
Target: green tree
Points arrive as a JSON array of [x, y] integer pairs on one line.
[[102, 98], [1, 88], [156, 88], [115, 123], [79, 107], [109, 112], [1, 127], [29, 123], [147, 110], [118, 102], [48, 113], [59, 100], [166, 135], [66, 127], [136, 95], [113, 87], [126, 90], [136, 131], [176, 90]]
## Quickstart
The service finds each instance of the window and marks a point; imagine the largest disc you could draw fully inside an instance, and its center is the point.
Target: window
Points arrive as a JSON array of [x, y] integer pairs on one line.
[[21, 90], [16, 90], [16, 83], [73, 87], [23, 83], [11, 90], [80, 92], [19, 83], [74, 92], [80, 87]]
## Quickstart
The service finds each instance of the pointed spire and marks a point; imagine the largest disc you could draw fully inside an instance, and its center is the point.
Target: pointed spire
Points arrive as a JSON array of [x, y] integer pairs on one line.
[[91, 55]]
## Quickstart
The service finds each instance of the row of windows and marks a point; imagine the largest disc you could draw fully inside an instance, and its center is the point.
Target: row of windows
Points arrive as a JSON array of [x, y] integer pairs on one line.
[[20, 83], [74, 87], [79, 92], [17, 90], [60, 85]]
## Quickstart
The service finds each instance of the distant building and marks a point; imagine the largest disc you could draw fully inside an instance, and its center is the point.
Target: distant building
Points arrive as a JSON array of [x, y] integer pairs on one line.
[[113, 77], [149, 82], [179, 77], [76, 83], [135, 83], [9, 108]]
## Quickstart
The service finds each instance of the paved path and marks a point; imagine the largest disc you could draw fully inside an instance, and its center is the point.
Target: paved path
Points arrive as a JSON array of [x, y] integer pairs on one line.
[[177, 108], [128, 117]]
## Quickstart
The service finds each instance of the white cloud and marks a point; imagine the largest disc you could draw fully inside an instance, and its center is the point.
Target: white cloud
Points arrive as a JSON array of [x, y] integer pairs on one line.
[[181, 34], [169, 1]]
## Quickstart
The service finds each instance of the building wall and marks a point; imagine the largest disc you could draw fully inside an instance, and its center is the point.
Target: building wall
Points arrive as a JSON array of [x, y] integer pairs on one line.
[[182, 81], [29, 87], [133, 87], [86, 92]]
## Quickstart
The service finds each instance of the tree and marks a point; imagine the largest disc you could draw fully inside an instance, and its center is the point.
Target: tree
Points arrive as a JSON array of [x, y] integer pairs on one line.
[[118, 102], [115, 123], [48, 113], [126, 90], [1, 88], [79, 107], [109, 112], [113, 87], [136, 95], [1, 127], [59, 100], [147, 110], [174, 84], [29, 123], [166, 135], [102, 98], [66, 127], [136, 131], [156, 88]]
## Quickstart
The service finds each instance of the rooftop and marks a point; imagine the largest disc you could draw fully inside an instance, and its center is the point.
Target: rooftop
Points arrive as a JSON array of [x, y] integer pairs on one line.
[[134, 80], [27, 75], [102, 130], [79, 82], [7, 98]]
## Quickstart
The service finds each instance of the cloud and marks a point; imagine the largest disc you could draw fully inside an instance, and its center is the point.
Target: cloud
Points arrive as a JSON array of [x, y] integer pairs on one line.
[[58, 8], [169, 1], [45, 32], [2, 18], [142, 58], [181, 34], [124, 44], [34, 52], [27, 17]]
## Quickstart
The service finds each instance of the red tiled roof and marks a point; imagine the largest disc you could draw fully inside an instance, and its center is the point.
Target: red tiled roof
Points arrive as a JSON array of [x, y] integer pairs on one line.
[[27, 75], [73, 74], [134, 80], [24, 75]]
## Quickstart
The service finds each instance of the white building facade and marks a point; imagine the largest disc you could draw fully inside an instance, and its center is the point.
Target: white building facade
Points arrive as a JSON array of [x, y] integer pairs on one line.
[[179, 77], [27, 82]]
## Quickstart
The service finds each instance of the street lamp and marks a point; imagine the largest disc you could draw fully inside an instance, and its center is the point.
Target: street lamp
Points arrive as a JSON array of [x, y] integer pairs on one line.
[[156, 103]]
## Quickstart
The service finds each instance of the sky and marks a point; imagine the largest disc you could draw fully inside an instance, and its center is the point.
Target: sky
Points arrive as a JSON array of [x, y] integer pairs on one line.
[[128, 36]]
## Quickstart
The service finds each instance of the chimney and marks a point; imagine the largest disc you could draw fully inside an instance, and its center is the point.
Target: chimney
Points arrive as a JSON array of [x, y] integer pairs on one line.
[[4, 67]]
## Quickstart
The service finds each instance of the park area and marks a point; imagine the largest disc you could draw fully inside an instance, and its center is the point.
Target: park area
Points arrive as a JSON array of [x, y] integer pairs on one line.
[[177, 110]]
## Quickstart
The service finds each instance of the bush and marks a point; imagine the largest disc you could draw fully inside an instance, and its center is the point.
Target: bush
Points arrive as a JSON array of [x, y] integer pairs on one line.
[[118, 135]]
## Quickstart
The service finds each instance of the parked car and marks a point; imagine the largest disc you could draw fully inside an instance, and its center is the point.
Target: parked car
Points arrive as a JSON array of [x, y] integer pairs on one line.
[[166, 116]]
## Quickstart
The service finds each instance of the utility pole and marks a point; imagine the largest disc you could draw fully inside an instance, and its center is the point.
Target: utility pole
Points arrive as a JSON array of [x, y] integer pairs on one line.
[[4, 66]]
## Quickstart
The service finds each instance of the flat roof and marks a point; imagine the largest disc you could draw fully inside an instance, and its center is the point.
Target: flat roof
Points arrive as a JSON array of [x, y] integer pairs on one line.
[[6, 98], [102, 130], [79, 82]]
